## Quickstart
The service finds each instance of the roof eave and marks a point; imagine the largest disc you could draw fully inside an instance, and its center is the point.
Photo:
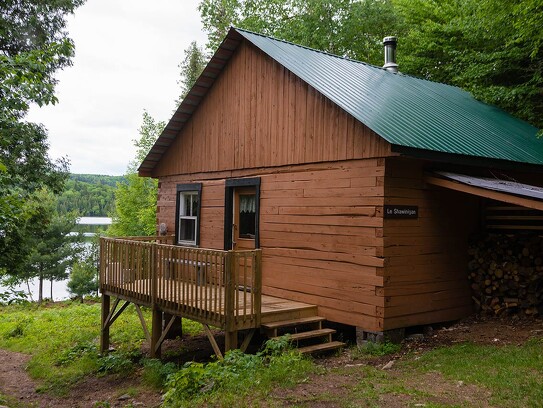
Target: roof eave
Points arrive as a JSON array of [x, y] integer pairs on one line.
[[465, 160], [191, 101]]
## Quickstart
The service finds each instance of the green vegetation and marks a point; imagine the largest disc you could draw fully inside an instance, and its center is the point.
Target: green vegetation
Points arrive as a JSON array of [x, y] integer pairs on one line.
[[237, 378], [491, 48], [34, 45], [90, 195], [83, 280], [135, 202], [514, 374], [63, 341], [49, 250]]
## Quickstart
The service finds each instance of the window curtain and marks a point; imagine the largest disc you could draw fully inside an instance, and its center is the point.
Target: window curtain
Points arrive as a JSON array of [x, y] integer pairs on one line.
[[247, 203]]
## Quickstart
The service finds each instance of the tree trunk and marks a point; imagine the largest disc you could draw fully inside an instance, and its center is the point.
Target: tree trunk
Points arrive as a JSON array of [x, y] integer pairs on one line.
[[51, 289], [40, 290], [29, 291]]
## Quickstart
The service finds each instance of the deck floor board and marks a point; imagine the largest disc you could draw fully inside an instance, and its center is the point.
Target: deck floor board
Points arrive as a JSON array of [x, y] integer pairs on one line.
[[208, 299]]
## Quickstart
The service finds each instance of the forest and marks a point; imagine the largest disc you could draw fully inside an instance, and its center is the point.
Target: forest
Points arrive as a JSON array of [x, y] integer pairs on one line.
[[89, 195]]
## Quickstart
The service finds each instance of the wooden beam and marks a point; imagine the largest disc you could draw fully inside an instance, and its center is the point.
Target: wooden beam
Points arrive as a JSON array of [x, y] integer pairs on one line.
[[143, 323], [482, 192], [104, 332], [247, 340], [111, 311], [164, 333], [112, 319], [213, 342]]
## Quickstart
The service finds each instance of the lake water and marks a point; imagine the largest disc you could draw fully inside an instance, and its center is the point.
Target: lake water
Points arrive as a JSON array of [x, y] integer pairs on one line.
[[60, 290]]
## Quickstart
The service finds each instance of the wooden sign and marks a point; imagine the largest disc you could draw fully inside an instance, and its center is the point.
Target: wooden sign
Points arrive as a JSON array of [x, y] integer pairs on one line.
[[401, 211]]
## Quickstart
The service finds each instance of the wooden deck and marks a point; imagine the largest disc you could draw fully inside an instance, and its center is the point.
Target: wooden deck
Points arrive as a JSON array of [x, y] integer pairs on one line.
[[216, 288]]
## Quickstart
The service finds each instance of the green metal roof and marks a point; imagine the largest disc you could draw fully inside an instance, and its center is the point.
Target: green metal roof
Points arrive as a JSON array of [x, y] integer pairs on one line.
[[408, 111], [416, 116]]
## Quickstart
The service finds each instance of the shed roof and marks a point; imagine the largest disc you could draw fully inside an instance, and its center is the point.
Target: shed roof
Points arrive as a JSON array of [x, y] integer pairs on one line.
[[406, 111]]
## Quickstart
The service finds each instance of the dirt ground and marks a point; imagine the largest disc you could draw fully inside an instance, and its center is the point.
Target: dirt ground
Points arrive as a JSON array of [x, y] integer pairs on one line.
[[340, 372]]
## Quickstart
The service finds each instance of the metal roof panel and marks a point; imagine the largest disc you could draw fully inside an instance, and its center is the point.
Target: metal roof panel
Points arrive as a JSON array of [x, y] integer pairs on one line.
[[406, 111], [409, 111]]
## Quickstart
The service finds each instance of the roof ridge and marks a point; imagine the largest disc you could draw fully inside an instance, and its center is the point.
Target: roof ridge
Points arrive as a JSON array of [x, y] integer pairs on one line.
[[306, 47], [342, 57]]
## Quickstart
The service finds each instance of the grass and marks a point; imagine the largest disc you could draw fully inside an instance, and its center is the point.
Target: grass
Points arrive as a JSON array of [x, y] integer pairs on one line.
[[63, 341], [513, 374]]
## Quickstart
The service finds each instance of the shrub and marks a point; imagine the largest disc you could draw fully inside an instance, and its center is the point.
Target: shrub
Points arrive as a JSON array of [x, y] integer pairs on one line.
[[82, 280], [237, 375]]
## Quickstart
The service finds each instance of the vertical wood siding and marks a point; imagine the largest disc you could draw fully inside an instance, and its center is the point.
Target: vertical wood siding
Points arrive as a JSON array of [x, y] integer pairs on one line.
[[258, 114], [426, 258]]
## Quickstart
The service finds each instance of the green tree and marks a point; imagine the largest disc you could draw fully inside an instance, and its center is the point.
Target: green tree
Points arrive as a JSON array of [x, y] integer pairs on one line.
[[51, 249], [33, 46], [83, 280], [354, 29], [492, 48], [191, 67], [135, 200]]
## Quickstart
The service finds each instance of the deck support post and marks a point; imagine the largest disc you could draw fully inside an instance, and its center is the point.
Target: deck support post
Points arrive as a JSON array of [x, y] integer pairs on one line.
[[156, 332], [230, 340], [104, 332], [176, 329]]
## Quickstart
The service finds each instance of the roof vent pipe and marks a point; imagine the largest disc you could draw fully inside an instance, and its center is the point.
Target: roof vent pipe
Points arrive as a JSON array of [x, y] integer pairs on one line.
[[390, 54]]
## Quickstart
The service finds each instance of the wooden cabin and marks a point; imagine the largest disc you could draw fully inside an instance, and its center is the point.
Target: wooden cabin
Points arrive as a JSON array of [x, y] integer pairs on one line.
[[341, 180]]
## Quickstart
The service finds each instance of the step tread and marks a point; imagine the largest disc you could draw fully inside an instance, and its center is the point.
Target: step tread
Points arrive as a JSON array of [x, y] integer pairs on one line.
[[309, 334], [321, 347], [293, 322]]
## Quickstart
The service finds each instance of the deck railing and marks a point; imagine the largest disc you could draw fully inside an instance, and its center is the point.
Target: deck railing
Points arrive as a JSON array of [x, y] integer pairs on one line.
[[220, 288]]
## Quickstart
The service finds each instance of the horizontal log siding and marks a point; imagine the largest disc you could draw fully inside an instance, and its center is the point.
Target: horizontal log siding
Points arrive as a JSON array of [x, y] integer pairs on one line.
[[320, 237], [321, 233], [258, 114], [212, 208], [426, 258]]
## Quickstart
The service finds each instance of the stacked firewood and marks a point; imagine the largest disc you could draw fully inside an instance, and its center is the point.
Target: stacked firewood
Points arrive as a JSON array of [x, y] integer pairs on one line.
[[506, 273]]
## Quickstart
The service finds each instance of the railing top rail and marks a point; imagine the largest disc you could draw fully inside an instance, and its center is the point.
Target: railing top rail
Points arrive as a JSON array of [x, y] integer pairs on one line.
[[146, 241], [142, 238]]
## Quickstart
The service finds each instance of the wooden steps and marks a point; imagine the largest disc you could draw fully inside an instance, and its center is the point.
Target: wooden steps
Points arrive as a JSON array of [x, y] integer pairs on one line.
[[333, 345], [311, 334], [306, 333]]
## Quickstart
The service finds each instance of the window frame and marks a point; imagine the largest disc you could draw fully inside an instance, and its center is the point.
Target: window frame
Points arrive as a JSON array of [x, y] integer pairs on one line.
[[181, 191]]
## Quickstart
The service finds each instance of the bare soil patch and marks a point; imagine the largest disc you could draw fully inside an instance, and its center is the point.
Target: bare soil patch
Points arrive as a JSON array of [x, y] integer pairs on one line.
[[339, 374]]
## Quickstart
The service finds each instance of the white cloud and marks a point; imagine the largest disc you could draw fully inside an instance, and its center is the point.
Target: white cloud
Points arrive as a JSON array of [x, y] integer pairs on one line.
[[127, 57]]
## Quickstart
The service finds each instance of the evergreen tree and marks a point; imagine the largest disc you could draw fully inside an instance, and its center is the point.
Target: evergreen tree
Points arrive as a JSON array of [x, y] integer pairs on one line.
[[51, 248], [191, 67]]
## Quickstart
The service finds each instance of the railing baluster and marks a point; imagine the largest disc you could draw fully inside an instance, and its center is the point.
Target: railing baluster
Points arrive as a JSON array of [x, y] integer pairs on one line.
[[197, 283]]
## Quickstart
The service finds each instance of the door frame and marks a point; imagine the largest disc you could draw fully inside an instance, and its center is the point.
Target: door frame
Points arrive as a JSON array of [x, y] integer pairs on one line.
[[230, 186]]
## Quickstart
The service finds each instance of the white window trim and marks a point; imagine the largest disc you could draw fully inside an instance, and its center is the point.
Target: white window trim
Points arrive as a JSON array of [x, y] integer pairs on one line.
[[182, 195]]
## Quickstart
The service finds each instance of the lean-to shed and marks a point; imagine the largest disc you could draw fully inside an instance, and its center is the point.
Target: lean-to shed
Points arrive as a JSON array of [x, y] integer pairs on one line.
[[360, 186]]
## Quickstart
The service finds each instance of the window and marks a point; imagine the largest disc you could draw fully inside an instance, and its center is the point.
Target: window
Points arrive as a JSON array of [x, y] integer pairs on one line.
[[247, 215], [188, 214]]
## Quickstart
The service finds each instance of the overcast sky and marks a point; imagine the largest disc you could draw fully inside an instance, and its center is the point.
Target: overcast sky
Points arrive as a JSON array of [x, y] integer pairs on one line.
[[127, 57]]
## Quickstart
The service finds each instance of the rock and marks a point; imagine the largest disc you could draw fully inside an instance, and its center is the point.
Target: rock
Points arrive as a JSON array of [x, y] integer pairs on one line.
[[124, 397], [388, 365]]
